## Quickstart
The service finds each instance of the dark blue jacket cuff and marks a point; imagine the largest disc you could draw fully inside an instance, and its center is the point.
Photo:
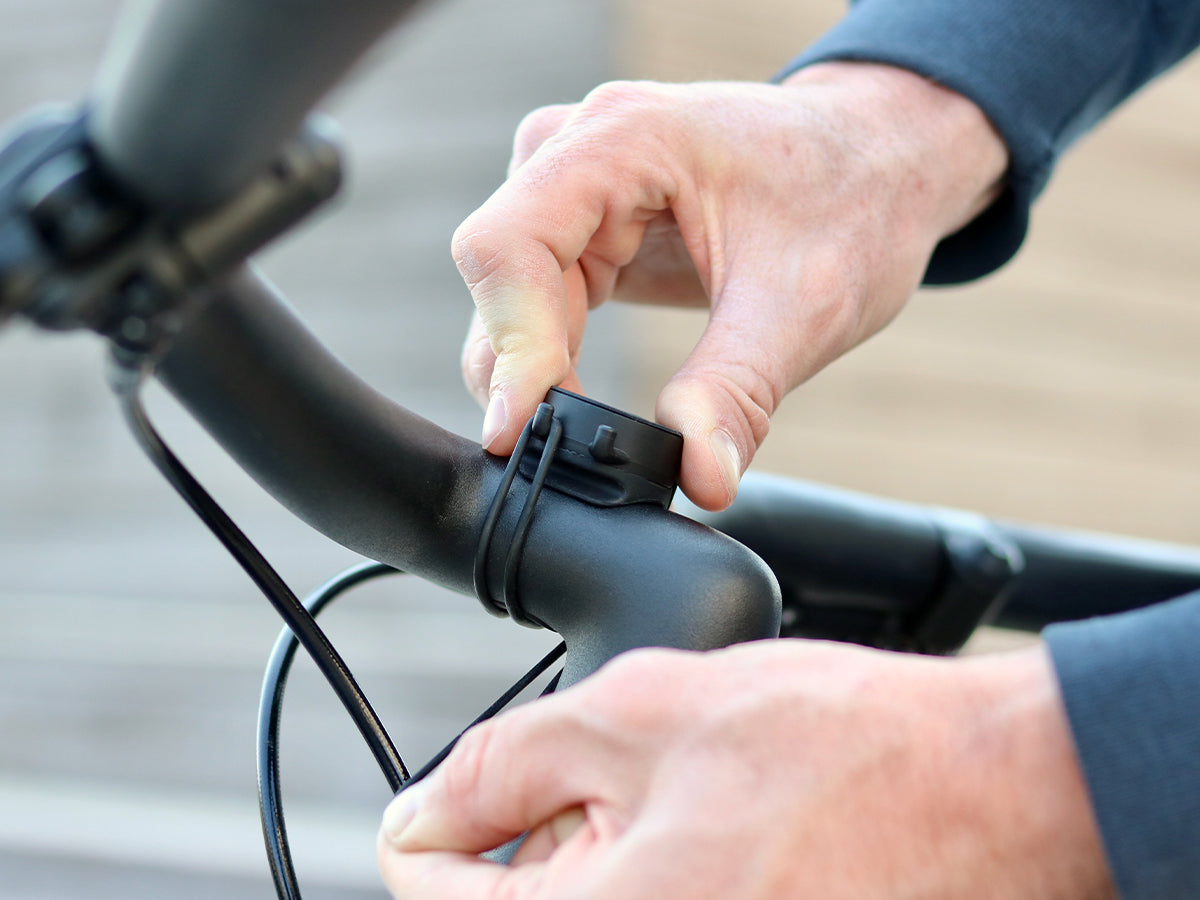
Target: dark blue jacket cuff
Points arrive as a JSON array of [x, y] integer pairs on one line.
[[1131, 684], [1043, 72]]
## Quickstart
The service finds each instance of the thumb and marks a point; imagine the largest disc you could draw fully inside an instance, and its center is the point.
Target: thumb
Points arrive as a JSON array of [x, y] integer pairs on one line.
[[504, 778], [721, 400]]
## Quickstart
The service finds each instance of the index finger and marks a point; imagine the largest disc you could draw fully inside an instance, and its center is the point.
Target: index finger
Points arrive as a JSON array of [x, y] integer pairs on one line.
[[521, 300], [558, 230]]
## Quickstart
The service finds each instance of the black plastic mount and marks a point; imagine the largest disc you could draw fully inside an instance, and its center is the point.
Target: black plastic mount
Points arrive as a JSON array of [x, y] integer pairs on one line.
[[608, 457], [589, 451]]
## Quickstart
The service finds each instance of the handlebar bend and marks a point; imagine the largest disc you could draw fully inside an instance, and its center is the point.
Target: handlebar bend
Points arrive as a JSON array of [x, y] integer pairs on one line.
[[397, 488]]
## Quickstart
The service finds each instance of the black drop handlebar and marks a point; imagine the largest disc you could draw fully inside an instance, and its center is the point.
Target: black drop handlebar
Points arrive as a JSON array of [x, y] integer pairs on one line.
[[397, 488], [195, 97], [195, 100]]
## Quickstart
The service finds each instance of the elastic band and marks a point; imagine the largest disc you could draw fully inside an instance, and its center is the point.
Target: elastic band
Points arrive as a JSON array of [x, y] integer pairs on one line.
[[544, 425]]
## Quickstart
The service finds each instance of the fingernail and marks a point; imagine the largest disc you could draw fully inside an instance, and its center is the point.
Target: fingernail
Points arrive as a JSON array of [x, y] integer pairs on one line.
[[494, 420], [728, 460], [401, 811]]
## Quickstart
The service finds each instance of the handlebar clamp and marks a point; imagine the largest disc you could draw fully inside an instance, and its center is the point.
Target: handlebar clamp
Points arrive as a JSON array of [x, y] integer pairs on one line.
[[80, 250]]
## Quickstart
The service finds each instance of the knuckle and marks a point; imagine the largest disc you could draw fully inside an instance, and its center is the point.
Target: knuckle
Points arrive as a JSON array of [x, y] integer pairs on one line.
[[540, 121], [757, 395], [752, 396], [621, 96], [536, 127], [634, 113], [477, 251]]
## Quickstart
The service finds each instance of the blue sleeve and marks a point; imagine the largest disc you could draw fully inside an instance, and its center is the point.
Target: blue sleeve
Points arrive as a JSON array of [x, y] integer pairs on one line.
[[1043, 71], [1131, 684]]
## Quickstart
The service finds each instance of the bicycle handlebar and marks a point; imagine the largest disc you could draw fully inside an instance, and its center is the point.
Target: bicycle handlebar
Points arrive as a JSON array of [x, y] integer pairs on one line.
[[388, 484], [397, 488], [195, 97], [852, 565], [1073, 575], [168, 125]]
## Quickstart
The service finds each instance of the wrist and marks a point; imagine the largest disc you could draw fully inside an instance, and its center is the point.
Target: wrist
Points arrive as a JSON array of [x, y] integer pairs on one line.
[[1034, 801], [954, 159]]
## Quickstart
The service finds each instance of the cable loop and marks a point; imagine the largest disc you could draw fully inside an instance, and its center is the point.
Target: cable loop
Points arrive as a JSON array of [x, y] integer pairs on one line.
[[546, 426]]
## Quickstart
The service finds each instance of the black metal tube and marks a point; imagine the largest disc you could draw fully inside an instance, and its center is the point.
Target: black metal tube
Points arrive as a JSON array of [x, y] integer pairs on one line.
[[837, 548], [1073, 575], [397, 488], [195, 97]]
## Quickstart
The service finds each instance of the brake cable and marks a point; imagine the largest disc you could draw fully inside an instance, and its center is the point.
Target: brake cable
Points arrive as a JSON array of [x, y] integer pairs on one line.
[[127, 376]]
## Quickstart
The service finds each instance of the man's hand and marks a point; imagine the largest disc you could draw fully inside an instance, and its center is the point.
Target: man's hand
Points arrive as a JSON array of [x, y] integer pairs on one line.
[[784, 769], [802, 214]]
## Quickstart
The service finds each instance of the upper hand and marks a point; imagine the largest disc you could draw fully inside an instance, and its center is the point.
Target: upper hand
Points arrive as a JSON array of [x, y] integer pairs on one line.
[[803, 215], [781, 769]]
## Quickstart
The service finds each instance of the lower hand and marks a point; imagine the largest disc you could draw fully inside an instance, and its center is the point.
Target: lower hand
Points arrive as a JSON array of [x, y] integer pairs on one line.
[[782, 769]]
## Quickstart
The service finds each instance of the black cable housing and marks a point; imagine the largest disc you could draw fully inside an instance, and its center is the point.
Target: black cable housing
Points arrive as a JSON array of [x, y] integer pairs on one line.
[[270, 710], [300, 629], [126, 380]]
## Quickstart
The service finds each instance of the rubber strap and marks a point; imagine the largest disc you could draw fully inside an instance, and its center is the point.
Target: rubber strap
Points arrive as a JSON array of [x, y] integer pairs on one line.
[[546, 426]]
